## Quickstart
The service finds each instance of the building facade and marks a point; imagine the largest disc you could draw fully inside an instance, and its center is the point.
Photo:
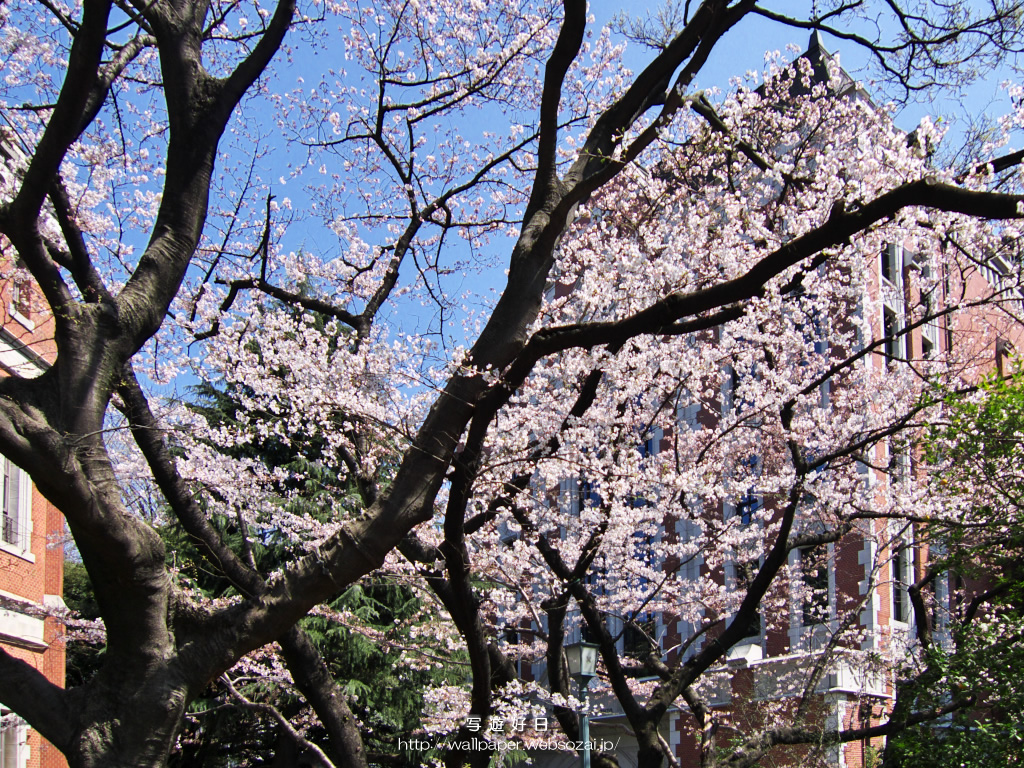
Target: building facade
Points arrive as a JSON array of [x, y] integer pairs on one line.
[[832, 623], [845, 608], [32, 534]]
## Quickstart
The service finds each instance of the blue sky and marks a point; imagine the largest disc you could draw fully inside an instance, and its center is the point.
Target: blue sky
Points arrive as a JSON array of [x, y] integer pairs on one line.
[[742, 50], [745, 46]]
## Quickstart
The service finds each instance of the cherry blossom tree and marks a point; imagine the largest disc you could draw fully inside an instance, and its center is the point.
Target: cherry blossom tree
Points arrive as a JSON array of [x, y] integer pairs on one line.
[[692, 234], [789, 419]]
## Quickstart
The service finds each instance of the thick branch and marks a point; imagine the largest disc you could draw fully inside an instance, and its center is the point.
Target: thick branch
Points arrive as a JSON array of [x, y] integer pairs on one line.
[[43, 705], [308, 669], [570, 38], [836, 231], [198, 109]]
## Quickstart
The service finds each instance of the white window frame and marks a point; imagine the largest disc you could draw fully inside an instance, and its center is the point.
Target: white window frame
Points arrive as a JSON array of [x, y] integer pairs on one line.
[[14, 749], [891, 255], [901, 577], [893, 303], [813, 636], [16, 535]]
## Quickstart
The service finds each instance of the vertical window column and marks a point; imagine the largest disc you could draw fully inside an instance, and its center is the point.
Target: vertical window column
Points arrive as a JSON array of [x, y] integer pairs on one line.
[[16, 530], [901, 579], [13, 741]]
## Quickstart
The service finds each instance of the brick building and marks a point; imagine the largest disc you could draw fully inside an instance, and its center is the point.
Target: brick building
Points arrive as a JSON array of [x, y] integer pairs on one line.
[[866, 574], [31, 538], [860, 580]]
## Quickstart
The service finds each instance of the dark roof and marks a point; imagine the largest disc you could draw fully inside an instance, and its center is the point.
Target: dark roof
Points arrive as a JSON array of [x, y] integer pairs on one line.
[[822, 60]]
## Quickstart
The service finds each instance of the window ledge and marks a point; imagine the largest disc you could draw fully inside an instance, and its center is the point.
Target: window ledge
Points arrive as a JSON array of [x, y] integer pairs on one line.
[[24, 554], [24, 321]]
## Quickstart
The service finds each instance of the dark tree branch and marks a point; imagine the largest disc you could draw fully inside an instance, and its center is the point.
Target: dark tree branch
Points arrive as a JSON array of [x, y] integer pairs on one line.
[[304, 661], [570, 38], [198, 109], [46, 707], [836, 231]]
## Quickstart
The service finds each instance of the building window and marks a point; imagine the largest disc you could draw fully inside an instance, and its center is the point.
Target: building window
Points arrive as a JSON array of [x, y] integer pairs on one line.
[[745, 574], [638, 636], [901, 579], [1004, 358], [747, 507], [748, 503], [893, 259], [586, 496], [17, 508], [651, 444], [21, 298], [13, 741], [891, 264], [814, 575], [927, 347], [930, 331], [891, 330], [20, 304]]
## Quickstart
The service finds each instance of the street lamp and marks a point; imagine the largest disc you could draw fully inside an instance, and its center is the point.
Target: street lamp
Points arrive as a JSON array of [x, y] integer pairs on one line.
[[581, 659]]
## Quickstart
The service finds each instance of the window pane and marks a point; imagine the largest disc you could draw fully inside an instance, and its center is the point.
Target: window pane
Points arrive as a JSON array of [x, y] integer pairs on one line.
[[814, 574]]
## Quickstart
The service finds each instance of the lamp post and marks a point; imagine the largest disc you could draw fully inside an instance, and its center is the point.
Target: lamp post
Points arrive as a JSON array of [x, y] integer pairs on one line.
[[581, 659]]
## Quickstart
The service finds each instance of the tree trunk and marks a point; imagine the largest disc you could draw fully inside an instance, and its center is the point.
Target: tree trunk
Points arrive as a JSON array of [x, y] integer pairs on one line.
[[125, 726], [650, 754], [314, 680]]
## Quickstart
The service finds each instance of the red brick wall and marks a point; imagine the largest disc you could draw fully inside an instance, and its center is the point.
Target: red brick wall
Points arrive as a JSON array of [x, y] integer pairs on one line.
[[32, 581], [45, 576]]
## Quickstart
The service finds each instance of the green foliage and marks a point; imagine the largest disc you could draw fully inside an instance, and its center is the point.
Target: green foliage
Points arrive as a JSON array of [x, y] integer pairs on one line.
[[83, 659], [984, 442], [981, 447], [988, 663], [368, 661]]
